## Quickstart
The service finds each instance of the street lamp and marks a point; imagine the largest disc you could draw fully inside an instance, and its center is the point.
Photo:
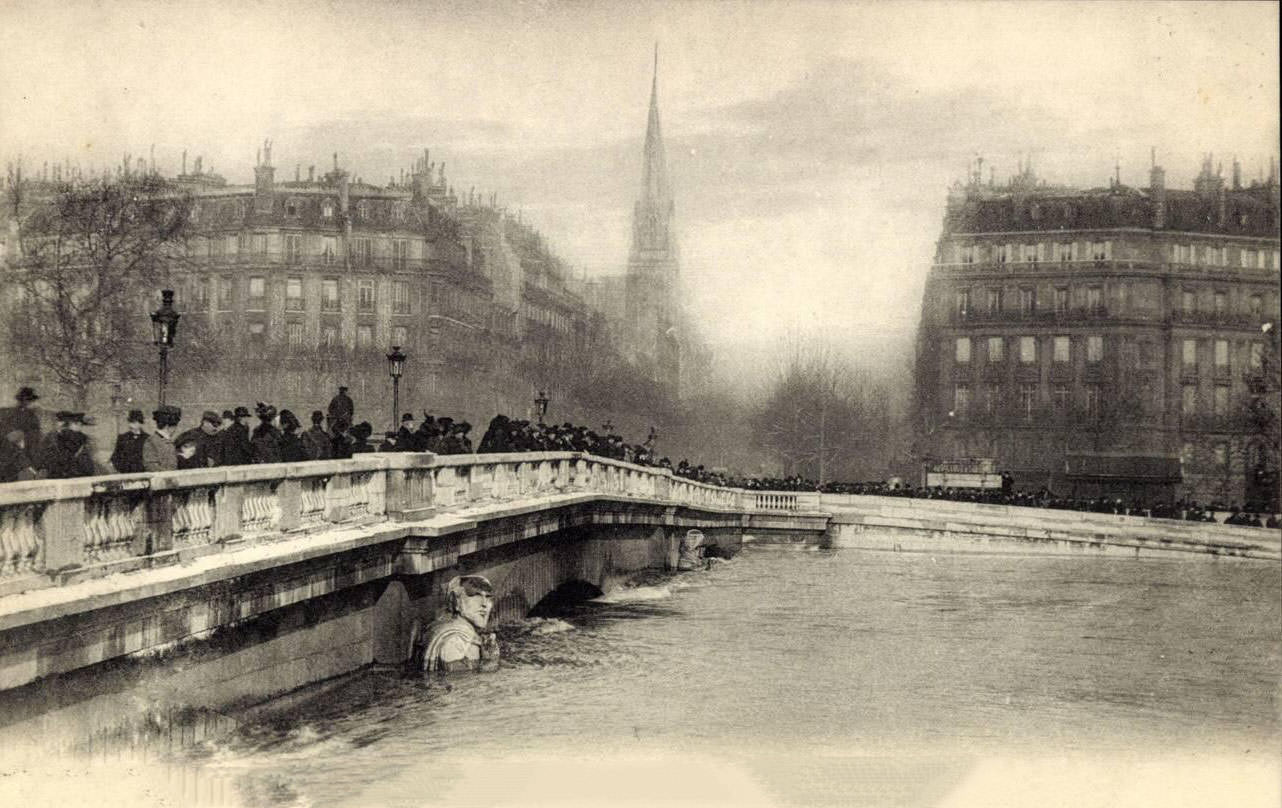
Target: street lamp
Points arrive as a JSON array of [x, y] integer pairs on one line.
[[395, 367], [608, 426], [164, 325], [541, 405]]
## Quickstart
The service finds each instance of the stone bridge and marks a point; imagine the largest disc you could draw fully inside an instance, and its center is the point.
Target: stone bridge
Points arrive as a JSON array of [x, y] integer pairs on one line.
[[222, 588]]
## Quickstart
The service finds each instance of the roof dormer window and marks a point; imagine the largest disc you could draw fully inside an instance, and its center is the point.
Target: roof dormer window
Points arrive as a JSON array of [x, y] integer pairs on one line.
[[293, 206], [362, 209]]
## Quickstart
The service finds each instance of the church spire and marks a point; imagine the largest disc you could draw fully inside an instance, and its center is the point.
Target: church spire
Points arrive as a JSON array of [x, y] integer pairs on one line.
[[654, 177]]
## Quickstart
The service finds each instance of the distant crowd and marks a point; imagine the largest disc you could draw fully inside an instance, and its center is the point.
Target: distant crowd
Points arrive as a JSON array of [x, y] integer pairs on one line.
[[231, 438]]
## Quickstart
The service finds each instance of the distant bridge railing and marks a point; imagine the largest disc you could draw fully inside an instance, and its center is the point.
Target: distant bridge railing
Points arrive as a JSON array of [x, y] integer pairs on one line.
[[55, 531]]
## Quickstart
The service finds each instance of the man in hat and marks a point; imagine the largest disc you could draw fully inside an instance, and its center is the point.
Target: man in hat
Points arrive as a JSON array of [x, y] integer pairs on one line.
[[440, 443], [407, 435], [23, 416], [126, 458], [360, 438], [206, 440], [316, 440], [460, 641], [66, 451], [158, 452], [236, 448], [341, 407]]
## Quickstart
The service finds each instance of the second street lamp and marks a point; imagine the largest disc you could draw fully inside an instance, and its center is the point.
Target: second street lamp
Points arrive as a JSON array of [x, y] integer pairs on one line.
[[541, 405], [395, 367], [164, 327]]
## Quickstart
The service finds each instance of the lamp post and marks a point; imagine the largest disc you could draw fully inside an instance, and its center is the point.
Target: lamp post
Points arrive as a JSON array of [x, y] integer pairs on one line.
[[164, 325], [395, 367], [541, 405]]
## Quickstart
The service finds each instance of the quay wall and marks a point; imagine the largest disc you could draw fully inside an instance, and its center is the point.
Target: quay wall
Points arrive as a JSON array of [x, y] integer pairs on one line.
[[901, 523]]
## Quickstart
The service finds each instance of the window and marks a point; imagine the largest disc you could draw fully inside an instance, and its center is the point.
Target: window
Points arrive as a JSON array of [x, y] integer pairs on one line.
[[329, 335], [1094, 299], [962, 354], [329, 250], [257, 332], [401, 297], [1186, 453], [1101, 250], [232, 244], [1032, 252], [1221, 400], [364, 336], [963, 302], [294, 332], [1061, 349], [364, 295], [1004, 253], [1094, 348], [996, 349], [1027, 301], [1188, 399], [225, 287], [966, 254], [1221, 355], [1221, 304], [292, 207], [1059, 396], [995, 301], [992, 398], [1257, 305], [961, 400], [1257, 355], [1092, 399], [200, 294], [293, 248], [242, 243], [400, 335], [400, 253], [1061, 300], [1188, 301], [363, 252], [327, 209], [1222, 455], [260, 243], [1027, 350], [329, 295], [1027, 400], [1245, 258], [294, 294], [1064, 251], [257, 293], [1189, 353], [217, 246]]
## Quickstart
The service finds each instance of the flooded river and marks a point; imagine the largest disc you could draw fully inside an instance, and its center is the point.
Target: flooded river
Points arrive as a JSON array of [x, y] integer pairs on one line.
[[794, 676]]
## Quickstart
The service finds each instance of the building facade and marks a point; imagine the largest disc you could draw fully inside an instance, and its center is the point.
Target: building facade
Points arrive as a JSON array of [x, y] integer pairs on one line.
[[1070, 330]]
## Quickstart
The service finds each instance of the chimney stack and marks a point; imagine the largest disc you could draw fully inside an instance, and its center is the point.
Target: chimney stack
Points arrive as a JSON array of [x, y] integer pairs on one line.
[[1157, 190]]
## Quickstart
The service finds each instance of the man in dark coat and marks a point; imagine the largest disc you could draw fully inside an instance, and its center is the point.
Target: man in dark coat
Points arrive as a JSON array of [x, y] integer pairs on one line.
[[292, 448], [23, 416], [341, 407], [237, 450], [126, 458], [407, 435], [340, 442], [360, 438], [207, 440], [316, 440], [66, 451]]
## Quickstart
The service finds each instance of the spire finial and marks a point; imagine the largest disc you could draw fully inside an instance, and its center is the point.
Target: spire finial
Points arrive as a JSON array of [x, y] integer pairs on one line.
[[654, 81]]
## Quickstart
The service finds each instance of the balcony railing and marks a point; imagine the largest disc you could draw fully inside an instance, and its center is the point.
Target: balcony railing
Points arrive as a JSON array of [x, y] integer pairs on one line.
[[1050, 316]]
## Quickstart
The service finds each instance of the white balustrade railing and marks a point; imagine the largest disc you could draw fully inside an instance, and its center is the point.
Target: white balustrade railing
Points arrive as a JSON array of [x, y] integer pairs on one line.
[[94, 523]]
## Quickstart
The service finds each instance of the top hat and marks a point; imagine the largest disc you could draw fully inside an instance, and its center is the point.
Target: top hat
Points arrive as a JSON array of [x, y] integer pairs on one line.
[[26, 394]]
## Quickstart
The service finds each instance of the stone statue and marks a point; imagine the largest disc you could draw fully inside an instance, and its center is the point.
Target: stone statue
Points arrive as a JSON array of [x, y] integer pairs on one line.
[[690, 556], [459, 642]]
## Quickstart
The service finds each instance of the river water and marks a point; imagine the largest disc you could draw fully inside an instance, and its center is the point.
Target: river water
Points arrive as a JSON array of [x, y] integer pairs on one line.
[[796, 676]]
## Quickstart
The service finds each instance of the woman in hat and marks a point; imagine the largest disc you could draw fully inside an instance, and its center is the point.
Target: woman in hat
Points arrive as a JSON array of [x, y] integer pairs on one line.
[[292, 448], [158, 452], [266, 437]]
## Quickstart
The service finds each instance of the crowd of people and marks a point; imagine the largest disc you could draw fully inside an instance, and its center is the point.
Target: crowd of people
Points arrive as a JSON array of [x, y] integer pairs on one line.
[[232, 438]]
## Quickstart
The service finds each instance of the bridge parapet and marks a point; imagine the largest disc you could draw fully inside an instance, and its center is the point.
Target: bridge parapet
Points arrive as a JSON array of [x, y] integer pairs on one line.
[[57, 531]]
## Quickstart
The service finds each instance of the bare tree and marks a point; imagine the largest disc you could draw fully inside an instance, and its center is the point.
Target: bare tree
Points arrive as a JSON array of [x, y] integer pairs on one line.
[[90, 256]]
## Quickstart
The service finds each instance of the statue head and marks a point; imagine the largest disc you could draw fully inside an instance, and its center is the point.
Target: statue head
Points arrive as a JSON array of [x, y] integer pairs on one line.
[[472, 598]]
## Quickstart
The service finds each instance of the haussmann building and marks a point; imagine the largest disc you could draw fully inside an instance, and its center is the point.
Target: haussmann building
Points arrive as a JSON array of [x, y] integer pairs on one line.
[[1105, 341]]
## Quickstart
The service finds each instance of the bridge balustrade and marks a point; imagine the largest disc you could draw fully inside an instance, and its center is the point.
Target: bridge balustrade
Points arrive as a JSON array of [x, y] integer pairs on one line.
[[57, 531]]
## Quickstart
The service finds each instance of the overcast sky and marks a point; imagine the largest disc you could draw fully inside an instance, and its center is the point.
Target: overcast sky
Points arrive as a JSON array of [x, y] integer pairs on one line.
[[810, 144]]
